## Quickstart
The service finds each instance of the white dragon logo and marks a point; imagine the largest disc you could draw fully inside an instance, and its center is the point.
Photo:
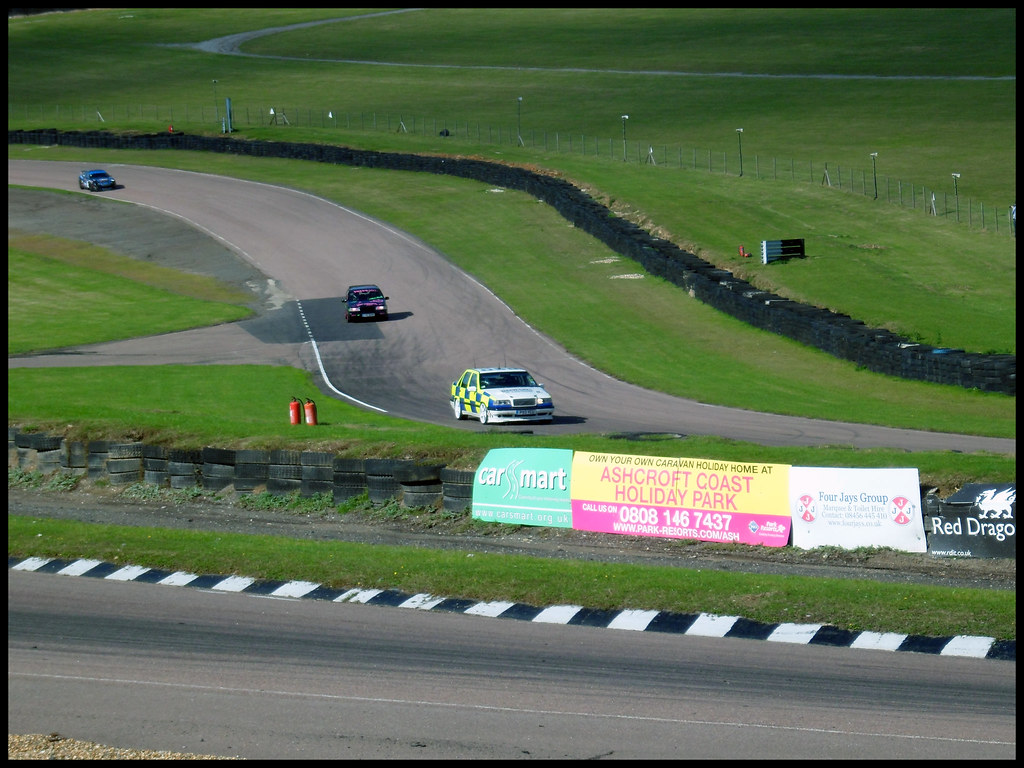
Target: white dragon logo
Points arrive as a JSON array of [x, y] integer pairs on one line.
[[995, 504]]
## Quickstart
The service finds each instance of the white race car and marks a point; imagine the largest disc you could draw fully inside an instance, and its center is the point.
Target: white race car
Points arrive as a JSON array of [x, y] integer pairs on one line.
[[500, 394]]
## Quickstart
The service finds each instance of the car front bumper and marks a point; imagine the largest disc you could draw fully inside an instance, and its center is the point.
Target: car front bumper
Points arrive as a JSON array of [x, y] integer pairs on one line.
[[520, 414]]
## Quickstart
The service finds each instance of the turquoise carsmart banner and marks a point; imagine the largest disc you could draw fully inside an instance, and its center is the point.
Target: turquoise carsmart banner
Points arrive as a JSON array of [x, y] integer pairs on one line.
[[524, 486]]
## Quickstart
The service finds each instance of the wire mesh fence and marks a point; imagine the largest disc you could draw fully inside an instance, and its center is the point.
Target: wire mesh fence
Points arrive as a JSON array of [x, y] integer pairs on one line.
[[947, 204]]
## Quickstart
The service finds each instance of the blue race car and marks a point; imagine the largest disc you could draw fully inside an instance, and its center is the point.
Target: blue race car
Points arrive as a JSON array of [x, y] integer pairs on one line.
[[96, 180]]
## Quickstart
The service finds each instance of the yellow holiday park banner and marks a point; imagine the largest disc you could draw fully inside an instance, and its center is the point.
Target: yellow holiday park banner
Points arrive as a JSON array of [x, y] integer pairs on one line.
[[673, 497]]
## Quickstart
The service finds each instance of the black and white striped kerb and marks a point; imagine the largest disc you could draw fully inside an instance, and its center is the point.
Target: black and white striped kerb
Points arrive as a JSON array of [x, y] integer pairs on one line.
[[692, 624]]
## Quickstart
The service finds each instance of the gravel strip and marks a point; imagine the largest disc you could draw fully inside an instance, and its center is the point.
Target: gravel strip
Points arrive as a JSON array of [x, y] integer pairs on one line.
[[53, 746]]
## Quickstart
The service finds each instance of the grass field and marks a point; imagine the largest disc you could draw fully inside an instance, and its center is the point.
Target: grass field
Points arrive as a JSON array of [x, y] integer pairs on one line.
[[930, 278], [619, 62]]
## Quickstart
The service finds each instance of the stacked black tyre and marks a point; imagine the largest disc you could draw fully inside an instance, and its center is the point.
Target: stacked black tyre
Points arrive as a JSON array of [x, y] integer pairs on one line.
[[317, 473], [124, 463], [184, 468], [420, 484], [457, 489], [24, 450], [37, 450], [73, 458], [251, 470], [381, 484], [349, 476], [284, 474], [154, 466], [218, 468], [96, 461], [47, 452]]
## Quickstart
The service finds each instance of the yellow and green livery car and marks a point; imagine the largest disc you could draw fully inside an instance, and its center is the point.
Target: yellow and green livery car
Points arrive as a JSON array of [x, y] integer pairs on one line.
[[495, 395]]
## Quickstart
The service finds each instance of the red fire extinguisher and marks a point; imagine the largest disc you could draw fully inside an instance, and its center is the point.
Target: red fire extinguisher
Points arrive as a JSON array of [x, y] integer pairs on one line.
[[310, 412], [295, 409]]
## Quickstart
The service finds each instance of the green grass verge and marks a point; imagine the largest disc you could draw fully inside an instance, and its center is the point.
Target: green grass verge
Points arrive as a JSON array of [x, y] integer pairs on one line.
[[873, 606]]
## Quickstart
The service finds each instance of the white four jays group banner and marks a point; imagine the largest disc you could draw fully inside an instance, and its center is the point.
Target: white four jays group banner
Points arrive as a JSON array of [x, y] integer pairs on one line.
[[680, 498], [852, 508]]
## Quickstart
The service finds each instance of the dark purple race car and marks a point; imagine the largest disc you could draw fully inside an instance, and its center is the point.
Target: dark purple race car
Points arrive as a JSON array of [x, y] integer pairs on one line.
[[366, 302]]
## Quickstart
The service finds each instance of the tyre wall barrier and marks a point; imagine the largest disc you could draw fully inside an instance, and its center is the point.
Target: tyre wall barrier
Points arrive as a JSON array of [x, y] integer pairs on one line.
[[837, 334], [245, 471]]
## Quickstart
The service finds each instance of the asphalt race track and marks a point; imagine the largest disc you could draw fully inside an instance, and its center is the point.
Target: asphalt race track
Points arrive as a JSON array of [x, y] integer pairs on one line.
[[442, 321]]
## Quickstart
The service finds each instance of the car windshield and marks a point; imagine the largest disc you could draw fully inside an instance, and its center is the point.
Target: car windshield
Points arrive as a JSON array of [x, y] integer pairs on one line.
[[98, 175], [367, 294], [508, 379]]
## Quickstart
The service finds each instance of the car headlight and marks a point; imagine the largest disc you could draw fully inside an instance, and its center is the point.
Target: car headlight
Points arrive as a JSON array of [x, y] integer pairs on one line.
[[502, 401]]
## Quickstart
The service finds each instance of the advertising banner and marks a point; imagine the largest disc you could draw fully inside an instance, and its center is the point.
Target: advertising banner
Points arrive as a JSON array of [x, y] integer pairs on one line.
[[524, 486], [682, 498], [977, 521], [851, 508]]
